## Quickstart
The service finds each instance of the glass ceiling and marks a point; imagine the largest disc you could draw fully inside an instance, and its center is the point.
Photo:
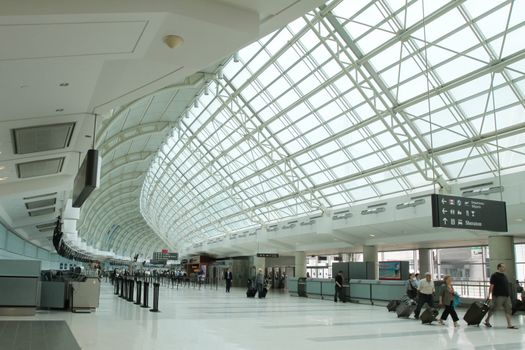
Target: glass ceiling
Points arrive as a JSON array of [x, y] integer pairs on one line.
[[354, 101]]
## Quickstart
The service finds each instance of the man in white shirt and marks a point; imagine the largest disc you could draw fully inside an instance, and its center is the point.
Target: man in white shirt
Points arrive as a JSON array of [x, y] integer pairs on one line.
[[426, 294]]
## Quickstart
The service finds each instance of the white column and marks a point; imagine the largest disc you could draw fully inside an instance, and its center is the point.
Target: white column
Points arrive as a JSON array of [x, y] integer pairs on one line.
[[370, 255], [300, 264], [424, 262], [501, 250]]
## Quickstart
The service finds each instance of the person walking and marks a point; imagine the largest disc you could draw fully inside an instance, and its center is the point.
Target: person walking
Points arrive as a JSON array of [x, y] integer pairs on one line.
[[339, 287], [228, 277], [259, 282], [411, 286], [426, 294], [500, 292], [446, 298]]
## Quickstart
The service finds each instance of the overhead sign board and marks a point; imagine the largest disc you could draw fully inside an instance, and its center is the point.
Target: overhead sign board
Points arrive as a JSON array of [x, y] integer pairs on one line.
[[468, 213], [267, 255]]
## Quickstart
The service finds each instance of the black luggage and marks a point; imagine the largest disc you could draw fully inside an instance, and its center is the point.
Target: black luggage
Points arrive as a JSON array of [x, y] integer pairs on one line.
[[518, 306], [392, 305], [404, 310], [429, 315], [475, 313], [263, 293], [250, 293]]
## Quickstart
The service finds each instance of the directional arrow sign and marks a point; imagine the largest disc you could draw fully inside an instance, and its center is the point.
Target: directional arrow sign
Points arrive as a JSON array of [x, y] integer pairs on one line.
[[468, 213]]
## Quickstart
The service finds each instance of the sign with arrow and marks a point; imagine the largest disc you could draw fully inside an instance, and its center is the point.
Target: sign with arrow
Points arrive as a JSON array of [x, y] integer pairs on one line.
[[468, 213]]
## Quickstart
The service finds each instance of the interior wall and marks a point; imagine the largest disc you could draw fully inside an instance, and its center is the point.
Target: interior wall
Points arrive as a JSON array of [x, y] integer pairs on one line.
[[14, 247]]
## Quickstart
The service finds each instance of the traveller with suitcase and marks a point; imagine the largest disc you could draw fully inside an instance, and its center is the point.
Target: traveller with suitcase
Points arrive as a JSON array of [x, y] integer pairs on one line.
[[500, 292], [426, 294], [446, 298]]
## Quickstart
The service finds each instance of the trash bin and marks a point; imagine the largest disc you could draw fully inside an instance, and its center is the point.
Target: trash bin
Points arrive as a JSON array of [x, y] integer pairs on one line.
[[301, 287]]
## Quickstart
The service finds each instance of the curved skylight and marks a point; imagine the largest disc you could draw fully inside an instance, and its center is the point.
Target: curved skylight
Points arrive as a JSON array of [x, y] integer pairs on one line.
[[352, 102]]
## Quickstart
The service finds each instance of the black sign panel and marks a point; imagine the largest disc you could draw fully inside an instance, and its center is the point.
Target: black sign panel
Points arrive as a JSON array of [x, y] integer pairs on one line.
[[267, 255], [468, 213], [165, 256]]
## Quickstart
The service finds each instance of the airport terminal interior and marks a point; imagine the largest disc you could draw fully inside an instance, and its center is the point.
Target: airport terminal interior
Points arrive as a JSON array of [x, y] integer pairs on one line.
[[181, 174]]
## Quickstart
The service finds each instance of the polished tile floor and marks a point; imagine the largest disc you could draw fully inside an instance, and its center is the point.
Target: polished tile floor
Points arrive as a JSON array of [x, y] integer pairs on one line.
[[212, 319]]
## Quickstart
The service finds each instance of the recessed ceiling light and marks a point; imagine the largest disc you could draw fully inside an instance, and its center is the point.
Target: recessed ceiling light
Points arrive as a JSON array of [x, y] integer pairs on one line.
[[173, 41], [3, 178], [519, 219], [63, 84], [2, 167], [60, 109], [371, 235]]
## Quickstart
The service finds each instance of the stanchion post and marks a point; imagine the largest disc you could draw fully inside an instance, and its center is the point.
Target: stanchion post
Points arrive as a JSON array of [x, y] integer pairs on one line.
[[146, 296], [156, 287], [139, 286], [131, 290]]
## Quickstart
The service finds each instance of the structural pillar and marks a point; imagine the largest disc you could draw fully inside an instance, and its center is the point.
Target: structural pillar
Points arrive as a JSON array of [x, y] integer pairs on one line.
[[300, 264], [258, 263], [424, 262], [370, 256], [501, 250]]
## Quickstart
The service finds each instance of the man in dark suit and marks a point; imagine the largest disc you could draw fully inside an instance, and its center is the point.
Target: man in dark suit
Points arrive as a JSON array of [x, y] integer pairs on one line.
[[228, 276]]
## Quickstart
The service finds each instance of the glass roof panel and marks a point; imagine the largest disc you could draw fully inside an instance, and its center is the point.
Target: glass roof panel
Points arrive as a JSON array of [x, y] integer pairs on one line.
[[294, 113]]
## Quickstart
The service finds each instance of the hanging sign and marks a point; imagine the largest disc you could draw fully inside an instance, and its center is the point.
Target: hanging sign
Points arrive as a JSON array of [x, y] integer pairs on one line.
[[468, 213], [267, 255]]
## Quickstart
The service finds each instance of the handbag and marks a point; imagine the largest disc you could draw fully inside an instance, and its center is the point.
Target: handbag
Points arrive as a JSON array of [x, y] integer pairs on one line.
[[456, 301]]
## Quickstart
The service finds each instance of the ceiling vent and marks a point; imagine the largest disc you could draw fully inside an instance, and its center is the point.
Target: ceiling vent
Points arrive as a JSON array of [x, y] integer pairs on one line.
[[42, 138], [39, 212], [46, 227], [40, 167], [40, 196], [41, 203]]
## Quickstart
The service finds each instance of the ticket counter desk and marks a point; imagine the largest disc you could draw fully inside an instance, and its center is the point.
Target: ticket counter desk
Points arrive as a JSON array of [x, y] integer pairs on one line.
[[360, 291], [19, 287]]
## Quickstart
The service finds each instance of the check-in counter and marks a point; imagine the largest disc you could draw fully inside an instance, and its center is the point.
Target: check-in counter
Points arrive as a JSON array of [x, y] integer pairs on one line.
[[53, 294], [19, 287], [85, 295], [371, 291], [293, 286], [314, 288], [361, 291]]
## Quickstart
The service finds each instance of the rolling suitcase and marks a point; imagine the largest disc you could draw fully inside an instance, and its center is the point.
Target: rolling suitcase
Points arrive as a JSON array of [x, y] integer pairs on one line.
[[392, 305], [250, 293], [263, 293], [475, 313], [429, 315], [404, 310]]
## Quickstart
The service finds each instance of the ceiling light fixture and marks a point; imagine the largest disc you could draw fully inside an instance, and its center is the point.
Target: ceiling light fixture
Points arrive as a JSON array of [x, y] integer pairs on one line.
[[59, 110], [173, 41], [3, 178], [410, 204], [63, 84], [373, 211], [236, 57], [484, 190], [2, 167]]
